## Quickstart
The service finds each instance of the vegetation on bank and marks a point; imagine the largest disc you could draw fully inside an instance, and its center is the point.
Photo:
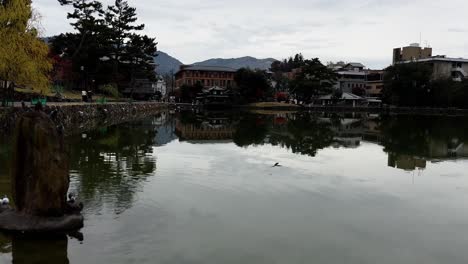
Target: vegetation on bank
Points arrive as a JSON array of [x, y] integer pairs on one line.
[[106, 53], [303, 79], [413, 85]]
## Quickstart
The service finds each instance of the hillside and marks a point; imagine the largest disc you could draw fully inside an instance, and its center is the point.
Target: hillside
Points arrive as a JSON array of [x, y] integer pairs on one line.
[[166, 63]]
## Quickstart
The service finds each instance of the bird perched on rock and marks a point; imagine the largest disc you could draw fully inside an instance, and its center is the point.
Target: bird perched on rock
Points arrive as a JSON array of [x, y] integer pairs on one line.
[[73, 206], [4, 204], [5, 200], [71, 197]]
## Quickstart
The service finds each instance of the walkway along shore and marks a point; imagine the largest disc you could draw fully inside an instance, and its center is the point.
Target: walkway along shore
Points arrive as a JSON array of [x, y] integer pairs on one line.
[[78, 117]]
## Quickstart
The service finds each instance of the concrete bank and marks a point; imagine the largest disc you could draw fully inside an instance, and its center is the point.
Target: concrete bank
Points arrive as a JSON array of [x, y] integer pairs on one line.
[[76, 118]]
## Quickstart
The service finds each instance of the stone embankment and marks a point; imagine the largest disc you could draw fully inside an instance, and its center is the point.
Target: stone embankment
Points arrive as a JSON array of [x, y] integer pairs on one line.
[[367, 109], [76, 118]]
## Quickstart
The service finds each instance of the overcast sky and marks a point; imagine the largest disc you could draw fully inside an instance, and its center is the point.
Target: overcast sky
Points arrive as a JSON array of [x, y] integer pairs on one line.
[[351, 30]]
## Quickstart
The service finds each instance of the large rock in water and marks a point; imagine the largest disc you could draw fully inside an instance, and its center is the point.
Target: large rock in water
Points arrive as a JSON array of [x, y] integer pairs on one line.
[[40, 180], [40, 167]]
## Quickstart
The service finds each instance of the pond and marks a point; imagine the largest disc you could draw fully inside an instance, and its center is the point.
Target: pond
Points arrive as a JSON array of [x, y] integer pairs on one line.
[[203, 188]]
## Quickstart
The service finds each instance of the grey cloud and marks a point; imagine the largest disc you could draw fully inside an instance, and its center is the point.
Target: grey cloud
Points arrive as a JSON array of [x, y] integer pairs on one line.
[[364, 30], [458, 30]]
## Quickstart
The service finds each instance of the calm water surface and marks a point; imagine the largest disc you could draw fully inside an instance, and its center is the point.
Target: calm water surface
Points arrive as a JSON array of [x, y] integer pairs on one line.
[[201, 188]]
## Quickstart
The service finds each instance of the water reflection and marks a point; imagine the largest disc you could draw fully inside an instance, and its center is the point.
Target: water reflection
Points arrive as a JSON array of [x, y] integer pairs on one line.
[[50, 249], [409, 141], [111, 164], [199, 205]]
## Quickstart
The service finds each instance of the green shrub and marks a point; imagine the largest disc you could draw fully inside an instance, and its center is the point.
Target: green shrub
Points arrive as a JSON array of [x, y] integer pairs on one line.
[[109, 89], [57, 89]]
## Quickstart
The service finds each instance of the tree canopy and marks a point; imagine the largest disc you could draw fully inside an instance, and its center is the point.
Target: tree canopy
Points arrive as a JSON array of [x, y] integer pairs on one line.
[[288, 64], [23, 56], [106, 46], [313, 79], [412, 84], [252, 85]]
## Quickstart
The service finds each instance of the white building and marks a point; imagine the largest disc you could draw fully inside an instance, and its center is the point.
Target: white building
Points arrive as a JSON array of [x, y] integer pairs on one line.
[[350, 76], [161, 87], [443, 67]]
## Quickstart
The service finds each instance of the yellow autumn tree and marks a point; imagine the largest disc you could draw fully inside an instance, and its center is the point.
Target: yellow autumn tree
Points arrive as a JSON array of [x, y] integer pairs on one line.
[[23, 56]]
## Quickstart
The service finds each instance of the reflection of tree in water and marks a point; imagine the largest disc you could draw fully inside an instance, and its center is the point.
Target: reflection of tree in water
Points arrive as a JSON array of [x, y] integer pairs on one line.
[[423, 136], [251, 130], [112, 162], [302, 133], [306, 135]]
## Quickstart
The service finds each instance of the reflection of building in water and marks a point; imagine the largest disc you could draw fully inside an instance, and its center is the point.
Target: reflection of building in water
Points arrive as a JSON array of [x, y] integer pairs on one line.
[[405, 162], [447, 150], [347, 131], [210, 129], [437, 151], [165, 125]]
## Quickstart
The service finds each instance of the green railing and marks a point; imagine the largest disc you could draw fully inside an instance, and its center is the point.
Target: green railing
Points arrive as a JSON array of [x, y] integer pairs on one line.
[[7, 103], [42, 101], [102, 100]]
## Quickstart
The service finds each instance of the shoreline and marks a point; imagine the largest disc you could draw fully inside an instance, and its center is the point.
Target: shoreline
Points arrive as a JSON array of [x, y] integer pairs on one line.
[[76, 118], [376, 110]]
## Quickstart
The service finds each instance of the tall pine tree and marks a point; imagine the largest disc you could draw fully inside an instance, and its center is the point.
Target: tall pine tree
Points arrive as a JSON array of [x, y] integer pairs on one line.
[[106, 47], [131, 53]]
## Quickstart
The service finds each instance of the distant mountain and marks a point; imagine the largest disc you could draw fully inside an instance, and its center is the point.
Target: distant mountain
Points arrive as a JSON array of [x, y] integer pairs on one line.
[[166, 63], [237, 63]]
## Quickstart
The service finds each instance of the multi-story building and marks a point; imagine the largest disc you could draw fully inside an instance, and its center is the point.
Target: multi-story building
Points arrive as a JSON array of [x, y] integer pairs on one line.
[[207, 76], [350, 76], [374, 83], [411, 52], [444, 68]]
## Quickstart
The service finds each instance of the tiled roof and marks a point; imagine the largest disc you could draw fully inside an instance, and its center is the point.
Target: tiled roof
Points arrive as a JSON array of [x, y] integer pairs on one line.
[[356, 64], [345, 96], [206, 68]]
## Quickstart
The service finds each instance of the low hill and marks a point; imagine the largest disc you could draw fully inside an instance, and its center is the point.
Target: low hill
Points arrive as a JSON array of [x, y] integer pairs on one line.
[[166, 63]]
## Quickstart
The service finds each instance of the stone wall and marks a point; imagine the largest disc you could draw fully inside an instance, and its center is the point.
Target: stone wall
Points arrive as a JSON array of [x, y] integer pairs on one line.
[[82, 117]]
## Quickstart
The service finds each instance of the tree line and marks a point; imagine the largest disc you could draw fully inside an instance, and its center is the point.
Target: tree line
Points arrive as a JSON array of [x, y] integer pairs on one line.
[[107, 47], [413, 85], [304, 79], [105, 51]]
